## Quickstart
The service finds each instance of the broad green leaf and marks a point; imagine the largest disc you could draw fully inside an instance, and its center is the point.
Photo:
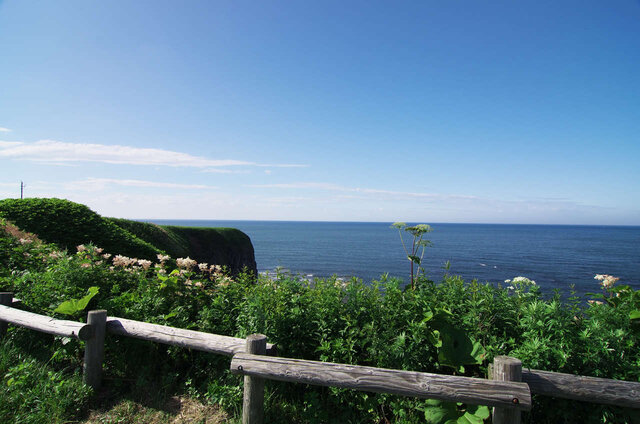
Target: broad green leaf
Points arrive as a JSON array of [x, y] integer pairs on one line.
[[457, 347], [440, 412], [468, 418], [70, 307], [479, 411], [634, 314]]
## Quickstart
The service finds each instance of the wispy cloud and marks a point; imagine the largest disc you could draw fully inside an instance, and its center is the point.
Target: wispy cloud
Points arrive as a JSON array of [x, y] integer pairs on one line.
[[3, 129], [52, 151], [93, 184], [368, 191], [224, 171]]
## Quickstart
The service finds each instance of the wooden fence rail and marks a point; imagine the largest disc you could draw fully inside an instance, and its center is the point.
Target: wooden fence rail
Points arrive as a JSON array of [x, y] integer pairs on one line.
[[505, 392], [197, 340], [451, 388], [45, 324], [586, 389]]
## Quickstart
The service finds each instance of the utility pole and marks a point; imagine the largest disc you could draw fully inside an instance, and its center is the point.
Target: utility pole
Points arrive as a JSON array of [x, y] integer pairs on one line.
[[21, 190]]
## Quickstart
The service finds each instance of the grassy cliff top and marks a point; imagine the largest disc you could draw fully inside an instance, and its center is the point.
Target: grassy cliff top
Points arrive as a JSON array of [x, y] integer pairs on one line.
[[69, 224]]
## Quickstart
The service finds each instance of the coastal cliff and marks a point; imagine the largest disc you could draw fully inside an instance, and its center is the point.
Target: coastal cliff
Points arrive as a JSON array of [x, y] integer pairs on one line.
[[69, 224]]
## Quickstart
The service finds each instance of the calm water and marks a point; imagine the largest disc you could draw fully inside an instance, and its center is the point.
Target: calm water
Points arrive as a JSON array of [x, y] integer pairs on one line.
[[555, 256]]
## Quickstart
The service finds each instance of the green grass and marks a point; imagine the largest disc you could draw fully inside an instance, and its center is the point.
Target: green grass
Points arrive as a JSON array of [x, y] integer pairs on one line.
[[33, 391]]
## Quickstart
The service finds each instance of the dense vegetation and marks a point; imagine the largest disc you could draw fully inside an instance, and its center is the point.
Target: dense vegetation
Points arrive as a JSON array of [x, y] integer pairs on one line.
[[69, 224], [445, 327]]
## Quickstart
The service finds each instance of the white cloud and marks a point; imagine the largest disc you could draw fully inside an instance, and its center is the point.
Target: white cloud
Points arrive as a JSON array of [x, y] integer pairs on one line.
[[223, 171], [369, 191], [3, 129], [7, 144], [94, 184], [52, 151]]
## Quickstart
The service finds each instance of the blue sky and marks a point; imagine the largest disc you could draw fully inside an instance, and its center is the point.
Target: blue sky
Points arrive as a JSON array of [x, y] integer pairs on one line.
[[427, 111]]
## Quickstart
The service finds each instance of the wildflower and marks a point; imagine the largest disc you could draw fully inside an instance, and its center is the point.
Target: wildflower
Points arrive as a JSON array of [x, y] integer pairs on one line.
[[145, 264], [216, 269], [123, 261], [162, 258], [523, 280], [204, 267], [606, 281], [86, 265], [107, 256], [25, 241], [595, 302], [98, 250], [55, 254], [81, 248], [186, 263]]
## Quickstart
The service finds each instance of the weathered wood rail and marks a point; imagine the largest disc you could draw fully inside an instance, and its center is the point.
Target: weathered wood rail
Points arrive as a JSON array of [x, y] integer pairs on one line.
[[451, 388], [46, 324], [197, 340], [586, 389], [509, 391]]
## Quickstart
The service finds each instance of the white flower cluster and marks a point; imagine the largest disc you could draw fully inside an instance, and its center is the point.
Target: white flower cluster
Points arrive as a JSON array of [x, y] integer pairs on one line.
[[123, 261], [521, 280], [186, 263], [162, 258], [606, 281], [145, 264]]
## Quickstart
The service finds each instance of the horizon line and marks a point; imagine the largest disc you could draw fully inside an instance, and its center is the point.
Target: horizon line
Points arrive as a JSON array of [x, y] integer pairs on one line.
[[379, 222]]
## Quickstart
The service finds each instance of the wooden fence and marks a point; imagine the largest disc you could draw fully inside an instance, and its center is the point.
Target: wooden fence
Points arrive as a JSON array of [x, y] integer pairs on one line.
[[508, 391]]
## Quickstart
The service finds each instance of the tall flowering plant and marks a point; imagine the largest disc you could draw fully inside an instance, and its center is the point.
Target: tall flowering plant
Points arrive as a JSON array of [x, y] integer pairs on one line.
[[619, 295]]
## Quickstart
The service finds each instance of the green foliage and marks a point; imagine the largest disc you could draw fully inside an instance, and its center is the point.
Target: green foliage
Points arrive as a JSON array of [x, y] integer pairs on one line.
[[438, 412], [447, 327], [73, 306], [35, 392]]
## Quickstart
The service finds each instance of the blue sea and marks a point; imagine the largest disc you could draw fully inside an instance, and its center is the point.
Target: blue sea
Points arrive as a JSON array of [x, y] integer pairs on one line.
[[555, 256]]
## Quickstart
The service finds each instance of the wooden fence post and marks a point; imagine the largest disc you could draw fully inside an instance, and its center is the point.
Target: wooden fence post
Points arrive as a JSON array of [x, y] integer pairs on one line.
[[253, 399], [6, 298], [506, 368], [94, 349]]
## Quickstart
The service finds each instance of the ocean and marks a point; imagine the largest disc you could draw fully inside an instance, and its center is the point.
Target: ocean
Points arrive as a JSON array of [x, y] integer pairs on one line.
[[555, 256]]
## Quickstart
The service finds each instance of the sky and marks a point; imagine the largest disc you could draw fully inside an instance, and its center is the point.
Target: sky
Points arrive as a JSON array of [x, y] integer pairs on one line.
[[425, 111]]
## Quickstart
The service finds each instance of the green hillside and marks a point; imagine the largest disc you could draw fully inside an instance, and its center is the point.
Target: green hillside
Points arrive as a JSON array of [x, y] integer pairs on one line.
[[222, 246], [69, 224]]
